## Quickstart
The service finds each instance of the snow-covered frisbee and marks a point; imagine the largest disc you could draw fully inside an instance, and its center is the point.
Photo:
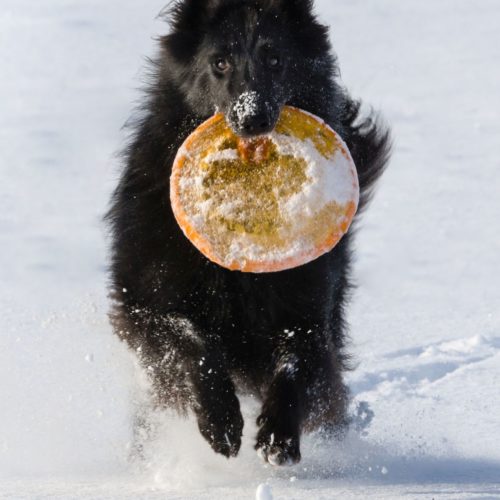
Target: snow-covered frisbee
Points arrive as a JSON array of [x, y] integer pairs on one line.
[[266, 204]]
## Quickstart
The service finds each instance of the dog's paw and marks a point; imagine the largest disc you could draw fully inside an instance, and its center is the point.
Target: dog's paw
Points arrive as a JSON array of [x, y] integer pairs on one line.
[[276, 446], [221, 424]]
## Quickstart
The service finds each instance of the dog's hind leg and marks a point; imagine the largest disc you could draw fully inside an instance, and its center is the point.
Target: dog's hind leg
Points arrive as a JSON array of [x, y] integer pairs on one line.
[[144, 431]]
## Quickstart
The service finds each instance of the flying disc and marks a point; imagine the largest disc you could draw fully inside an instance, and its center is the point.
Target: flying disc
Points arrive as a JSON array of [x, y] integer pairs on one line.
[[269, 203]]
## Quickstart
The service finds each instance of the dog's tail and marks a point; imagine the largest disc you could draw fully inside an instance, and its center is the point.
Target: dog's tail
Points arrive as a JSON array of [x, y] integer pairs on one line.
[[369, 141]]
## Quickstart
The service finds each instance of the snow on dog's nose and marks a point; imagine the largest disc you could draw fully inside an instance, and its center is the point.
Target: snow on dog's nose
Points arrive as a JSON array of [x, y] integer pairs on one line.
[[251, 115]]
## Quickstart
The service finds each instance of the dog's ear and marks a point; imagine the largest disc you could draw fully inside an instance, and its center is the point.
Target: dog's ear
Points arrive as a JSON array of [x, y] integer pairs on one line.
[[296, 7], [187, 19], [311, 35], [300, 13], [301, 7], [184, 15]]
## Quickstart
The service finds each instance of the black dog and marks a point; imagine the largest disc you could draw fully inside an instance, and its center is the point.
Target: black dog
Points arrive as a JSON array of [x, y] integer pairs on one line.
[[201, 330]]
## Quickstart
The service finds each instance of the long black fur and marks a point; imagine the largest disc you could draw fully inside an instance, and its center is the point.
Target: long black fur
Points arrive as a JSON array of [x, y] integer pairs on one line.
[[204, 332]]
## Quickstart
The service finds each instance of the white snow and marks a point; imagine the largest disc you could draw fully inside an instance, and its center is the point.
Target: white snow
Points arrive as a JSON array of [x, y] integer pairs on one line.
[[246, 105], [220, 155], [425, 319], [329, 179], [264, 492]]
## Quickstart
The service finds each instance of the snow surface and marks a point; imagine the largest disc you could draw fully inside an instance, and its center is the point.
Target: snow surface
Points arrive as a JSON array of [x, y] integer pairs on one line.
[[425, 320]]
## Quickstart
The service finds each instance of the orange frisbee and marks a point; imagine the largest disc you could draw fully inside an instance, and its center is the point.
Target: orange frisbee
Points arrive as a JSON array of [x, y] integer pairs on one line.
[[266, 204]]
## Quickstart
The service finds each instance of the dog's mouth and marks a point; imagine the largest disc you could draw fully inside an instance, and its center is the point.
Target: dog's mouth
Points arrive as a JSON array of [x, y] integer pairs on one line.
[[254, 149]]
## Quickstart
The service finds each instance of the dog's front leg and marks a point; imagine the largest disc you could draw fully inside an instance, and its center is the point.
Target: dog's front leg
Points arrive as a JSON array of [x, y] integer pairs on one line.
[[305, 391], [187, 368], [215, 404], [278, 438]]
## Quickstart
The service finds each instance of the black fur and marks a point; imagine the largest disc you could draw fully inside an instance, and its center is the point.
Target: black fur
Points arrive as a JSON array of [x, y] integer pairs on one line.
[[203, 331]]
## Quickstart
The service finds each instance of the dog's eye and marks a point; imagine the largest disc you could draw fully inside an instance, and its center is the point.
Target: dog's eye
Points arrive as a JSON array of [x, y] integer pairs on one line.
[[273, 61], [222, 64]]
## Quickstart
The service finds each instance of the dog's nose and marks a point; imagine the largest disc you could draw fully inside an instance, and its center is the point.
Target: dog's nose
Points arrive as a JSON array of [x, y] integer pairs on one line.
[[253, 114], [256, 125]]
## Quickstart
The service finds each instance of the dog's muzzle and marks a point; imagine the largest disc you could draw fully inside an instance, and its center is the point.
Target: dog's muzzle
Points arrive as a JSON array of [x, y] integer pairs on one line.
[[253, 115]]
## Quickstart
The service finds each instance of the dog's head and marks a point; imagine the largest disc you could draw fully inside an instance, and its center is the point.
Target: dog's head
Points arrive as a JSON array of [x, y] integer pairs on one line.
[[246, 58]]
